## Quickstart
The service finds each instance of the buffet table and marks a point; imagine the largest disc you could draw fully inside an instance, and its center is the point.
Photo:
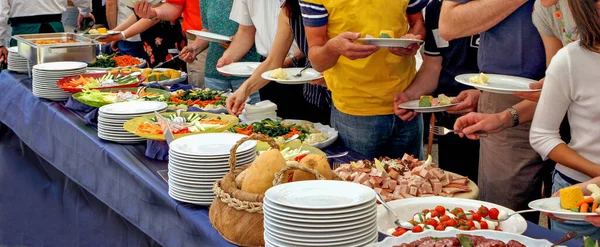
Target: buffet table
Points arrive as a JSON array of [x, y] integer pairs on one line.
[[62, 185]]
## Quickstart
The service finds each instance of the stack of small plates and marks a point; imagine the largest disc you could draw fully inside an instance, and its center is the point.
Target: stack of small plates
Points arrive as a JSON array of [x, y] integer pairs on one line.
[[46, 75], [320, 213], [197, 161], [16, 62], [112, 117]]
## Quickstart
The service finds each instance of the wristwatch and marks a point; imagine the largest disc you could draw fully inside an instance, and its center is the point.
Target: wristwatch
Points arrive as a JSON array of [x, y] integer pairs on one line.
[[515, 116], [294, 60]]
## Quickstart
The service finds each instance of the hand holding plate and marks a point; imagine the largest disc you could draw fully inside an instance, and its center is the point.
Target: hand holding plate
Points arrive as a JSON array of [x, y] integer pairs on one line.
[[532, 96], [344, 45], [404, 114], [410, 51], [468, 101]]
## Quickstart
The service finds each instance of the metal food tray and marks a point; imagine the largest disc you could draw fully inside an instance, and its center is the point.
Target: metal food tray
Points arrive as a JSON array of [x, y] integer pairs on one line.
[[82, 50]]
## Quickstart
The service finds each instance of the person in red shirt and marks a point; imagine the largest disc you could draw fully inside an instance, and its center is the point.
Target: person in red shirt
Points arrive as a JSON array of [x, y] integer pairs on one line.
[[172, 10]]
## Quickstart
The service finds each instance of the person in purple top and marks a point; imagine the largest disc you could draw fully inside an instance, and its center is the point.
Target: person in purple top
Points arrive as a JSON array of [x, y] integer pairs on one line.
[[511, 173]]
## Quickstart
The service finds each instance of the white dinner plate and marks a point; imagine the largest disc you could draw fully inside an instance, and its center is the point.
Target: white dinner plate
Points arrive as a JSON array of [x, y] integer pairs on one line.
[[250, 154], [310, 212], [389, 42], [308, 75], [208, 167], [189, 182], [60, 66], [100, 35], [241, 69], [366, 217], [496, 235], [359, 240], [320, 230], [206, 175], [314, 220], [210, 144], [285, 212], [552, 205], [502, 84], [320, 194], [212, 37], [414, 105], [408, 207], [315, 235], [132, 107]]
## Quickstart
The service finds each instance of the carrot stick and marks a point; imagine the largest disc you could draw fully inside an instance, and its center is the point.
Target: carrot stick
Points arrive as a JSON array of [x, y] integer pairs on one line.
[[584, 208], [585, 201], [594, 206]]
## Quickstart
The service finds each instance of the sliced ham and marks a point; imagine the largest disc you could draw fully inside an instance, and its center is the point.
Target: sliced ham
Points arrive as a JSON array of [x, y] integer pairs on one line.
[[436, 185], [452, 191], [361, 178], [376, 172]]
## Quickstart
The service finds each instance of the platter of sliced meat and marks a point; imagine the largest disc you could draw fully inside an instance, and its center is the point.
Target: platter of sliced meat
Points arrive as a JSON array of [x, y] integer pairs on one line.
[[455, 238], [407, 178]]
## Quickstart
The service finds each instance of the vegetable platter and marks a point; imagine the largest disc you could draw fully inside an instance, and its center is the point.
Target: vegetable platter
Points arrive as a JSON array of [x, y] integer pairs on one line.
[[314, 134], [292, 150], [75, 84], [102, 97], [115, 61], [207, 100], [164, 76], [189, 123]]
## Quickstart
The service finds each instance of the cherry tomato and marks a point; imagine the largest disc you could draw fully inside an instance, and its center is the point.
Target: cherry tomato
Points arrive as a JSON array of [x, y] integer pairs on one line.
[[440, 227], [455, 211], [493, 213], [417, 229], [461, 215], [470, 223], [464, 228], [434, 213], [440, 210], [425, 211], [451, 222], [498, 229], [432, 222], [476, 217], [472, 228], [444, 218], [483, 225], [483, 211], [399, 231]]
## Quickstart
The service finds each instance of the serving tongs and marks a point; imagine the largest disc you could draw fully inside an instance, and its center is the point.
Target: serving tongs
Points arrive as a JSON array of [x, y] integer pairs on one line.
[[166, 127]]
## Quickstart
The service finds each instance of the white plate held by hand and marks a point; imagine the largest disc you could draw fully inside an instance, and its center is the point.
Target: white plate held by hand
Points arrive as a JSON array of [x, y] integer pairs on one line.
[[414, 105], [390, 42], [552, 205], [242, 69], [308, 75], [501, 84], [212, 37]]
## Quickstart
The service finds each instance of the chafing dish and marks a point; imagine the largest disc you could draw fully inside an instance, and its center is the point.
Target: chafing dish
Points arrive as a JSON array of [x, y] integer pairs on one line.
[[68, 47]]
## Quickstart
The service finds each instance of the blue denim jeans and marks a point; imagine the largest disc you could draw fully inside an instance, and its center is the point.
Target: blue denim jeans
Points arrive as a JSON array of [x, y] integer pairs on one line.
[[134, 49], [582, 228], [219, 84], [375, 136]]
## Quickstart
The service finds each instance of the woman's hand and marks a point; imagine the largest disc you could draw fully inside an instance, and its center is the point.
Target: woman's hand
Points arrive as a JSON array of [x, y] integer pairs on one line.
[[110, 38], [411, 50], [144, 9], [532, 96], [403, 114], [189, 53], [468, 101], [595, 220], [114, 45], [475, 122], [236, 102]]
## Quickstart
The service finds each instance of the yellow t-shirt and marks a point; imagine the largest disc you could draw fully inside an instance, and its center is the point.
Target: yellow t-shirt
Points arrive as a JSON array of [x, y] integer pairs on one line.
[[364, 87]]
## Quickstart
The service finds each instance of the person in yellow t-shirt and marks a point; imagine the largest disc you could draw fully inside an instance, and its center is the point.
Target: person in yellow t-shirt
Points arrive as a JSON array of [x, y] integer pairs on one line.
[[364, 80]]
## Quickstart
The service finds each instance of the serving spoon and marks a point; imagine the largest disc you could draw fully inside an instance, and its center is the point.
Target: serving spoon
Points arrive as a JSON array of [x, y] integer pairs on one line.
[[398, 222]]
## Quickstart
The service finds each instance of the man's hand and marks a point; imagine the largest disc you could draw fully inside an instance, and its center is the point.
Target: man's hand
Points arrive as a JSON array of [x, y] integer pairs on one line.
[[467, 100], [111, 38], [144, 9], [532, 96], [81, 17], [236, 102], [595, 220], [189, 53], [226, 44], [344, 45], [403, 114], [3, 54], [222, 62], [114, 45], [410, 51], [475, 122]]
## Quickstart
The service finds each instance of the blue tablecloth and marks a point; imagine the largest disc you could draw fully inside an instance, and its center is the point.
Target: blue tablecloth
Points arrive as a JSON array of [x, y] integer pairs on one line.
[[122, 182]]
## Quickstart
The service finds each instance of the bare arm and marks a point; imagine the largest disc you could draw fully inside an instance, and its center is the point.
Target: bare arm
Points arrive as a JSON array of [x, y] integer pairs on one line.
[[427, 78], [283, 41], [459, 20], [127, 23], [552, 45], [138, 27], [168, 11], [241, 44], [320, 53], [111, 13], [417, 24], [566, 156]]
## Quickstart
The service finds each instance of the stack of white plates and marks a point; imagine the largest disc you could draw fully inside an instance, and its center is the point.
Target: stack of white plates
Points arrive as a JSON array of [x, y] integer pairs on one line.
[[112, 117], [197, 161], [46, 75], [320, 213], [16, 62]]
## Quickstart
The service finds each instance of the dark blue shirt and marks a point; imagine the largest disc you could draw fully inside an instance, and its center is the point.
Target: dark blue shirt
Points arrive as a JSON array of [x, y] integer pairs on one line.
[[459, 56], [513, 46]]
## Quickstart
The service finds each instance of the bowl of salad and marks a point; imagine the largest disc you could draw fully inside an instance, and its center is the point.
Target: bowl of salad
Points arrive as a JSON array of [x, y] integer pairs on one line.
[[206, 99], [102, 97], [77, 83]]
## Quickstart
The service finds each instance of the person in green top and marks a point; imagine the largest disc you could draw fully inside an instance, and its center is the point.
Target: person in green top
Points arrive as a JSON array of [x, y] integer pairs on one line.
[[215, 18]]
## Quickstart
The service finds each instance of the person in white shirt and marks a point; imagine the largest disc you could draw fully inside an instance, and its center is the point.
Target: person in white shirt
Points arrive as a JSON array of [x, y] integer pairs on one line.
[[117, 12], [35, 16], [571, 86]]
